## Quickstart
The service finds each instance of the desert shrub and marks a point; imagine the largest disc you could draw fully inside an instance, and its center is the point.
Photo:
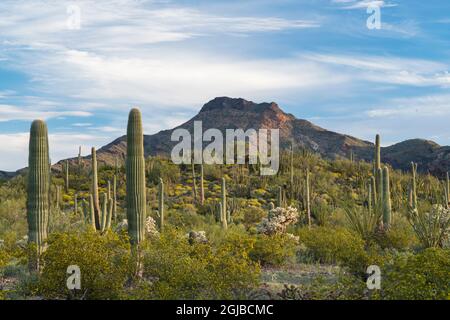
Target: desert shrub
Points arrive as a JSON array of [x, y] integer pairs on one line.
[[346, 287], [175, 269], [252, 215], [103, 261], [424, 276], [333, 246], [161, 168], [400, 236], [274, 250], [185, 219]]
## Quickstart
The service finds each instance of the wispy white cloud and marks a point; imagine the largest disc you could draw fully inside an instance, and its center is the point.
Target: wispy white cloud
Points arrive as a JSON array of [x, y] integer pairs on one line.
[[9, 113], [389, 70], [15, 146], [363, 4]]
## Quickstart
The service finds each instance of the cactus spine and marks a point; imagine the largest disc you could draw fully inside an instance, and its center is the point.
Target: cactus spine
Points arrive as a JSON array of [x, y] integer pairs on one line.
[[202, 190], [223, 216], [387, 208], [95, 196], [38, 205], [136, 192], [161, 205]]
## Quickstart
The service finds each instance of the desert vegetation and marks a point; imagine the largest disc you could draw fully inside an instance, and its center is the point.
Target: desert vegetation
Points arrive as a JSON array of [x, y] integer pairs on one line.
[[145, 228]]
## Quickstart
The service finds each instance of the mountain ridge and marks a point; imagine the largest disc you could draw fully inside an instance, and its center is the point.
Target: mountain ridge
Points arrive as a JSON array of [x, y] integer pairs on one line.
[[233, 113]]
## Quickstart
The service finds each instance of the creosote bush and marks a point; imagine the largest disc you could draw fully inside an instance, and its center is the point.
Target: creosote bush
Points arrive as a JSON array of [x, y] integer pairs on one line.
[[424, 276], [176, 269], [275, 250], [104, 262]]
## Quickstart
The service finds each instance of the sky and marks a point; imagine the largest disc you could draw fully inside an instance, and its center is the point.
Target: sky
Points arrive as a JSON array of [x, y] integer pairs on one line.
[[358, 67]]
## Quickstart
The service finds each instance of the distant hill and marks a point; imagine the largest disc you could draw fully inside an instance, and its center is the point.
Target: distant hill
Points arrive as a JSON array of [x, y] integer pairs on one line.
[[230, 113]]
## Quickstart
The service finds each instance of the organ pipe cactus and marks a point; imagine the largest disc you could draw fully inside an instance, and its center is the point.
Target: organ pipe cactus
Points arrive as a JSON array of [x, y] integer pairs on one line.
[[135, 171], [387, 208], [94, 190], [38, 205], [161, 205]]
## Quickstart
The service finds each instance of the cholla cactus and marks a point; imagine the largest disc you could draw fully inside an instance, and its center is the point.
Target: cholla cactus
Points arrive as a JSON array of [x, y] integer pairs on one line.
[[197, 237], [150, 227], [278, 220]]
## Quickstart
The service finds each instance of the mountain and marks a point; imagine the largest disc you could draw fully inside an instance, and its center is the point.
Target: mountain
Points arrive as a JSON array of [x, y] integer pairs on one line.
[[229, 113]]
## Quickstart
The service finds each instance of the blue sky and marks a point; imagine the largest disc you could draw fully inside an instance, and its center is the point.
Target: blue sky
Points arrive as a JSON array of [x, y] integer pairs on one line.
[[317, 59]]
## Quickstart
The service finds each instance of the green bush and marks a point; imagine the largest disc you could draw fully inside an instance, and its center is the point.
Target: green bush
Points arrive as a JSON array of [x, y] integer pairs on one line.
[[334, 246], [104, 262], [174, 269], [424, 276], [253, 215], [274, 250]]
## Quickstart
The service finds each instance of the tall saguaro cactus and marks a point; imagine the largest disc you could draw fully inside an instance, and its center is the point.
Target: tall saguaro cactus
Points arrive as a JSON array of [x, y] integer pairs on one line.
[[136, 193], [387, 207], [161, 204], [94, 191], [202, 188], [66, 176], [223, 216], [194, 184], [38, 202], [308, 198], [414, 185], [377, 164]]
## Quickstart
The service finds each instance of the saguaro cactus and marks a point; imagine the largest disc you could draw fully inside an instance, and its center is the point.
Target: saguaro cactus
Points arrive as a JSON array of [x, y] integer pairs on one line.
[[373, 184], [223, 216], [387, 208], [66, 176], [38, 205], [377, 164], [94, 190], [414, 185], [161, 204], [308, 198], [136, 193], [114, 213], [202, 190], [194, 185]]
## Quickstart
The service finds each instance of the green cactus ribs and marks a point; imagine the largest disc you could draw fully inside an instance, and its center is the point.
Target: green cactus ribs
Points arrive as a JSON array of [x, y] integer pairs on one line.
[[135, 172], [38, 205]]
